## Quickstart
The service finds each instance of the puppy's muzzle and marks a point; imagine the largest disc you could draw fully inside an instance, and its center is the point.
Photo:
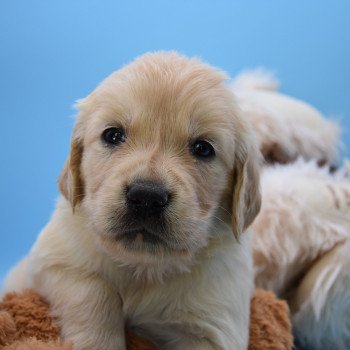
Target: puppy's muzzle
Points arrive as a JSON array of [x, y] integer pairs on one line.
[[147, 198]]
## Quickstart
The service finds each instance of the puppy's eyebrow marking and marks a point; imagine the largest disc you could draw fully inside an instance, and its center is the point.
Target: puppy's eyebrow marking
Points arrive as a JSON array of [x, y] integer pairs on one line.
[[117, 122]]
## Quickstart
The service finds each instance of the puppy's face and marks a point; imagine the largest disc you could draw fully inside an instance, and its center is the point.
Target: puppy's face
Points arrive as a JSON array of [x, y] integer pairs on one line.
[[160, 158]]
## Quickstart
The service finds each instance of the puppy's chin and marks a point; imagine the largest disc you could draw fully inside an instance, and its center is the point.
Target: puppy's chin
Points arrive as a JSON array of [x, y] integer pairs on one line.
[[138, 238], [146, 251], [151, 238], [142, 244], [144, 241], [146, 257]]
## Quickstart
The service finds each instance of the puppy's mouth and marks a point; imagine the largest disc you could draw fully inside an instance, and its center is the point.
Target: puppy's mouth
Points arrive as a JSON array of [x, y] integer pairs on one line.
[[139, 236], [153, 237]]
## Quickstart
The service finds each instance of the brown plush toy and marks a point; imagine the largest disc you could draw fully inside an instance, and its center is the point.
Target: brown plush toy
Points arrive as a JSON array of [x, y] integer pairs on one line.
[[25, 324]]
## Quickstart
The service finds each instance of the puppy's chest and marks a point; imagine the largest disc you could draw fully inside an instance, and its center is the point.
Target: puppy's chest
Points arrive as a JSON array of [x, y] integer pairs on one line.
[[160, 309], [157, 314], [147, 304]]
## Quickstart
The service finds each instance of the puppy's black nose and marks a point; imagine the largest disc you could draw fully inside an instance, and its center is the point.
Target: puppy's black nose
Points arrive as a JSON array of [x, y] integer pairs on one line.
[[147, 198]]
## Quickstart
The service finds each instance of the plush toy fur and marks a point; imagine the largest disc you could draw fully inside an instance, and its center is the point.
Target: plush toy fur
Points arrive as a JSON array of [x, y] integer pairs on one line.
[[25, 324]]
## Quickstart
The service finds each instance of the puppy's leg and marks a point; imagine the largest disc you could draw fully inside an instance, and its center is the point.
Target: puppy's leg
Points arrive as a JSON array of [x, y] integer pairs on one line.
[[321, 305], [88, 309]]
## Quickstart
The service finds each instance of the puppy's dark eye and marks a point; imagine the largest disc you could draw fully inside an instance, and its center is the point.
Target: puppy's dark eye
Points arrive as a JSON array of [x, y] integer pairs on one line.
[[113, 136], [202, 149]]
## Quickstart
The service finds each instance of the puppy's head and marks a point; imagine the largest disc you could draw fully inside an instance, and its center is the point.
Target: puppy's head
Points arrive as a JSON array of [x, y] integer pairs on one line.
[[160, 158]]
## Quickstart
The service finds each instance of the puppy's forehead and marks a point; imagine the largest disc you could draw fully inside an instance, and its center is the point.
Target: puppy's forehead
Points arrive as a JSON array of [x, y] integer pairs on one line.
[[168, 92]]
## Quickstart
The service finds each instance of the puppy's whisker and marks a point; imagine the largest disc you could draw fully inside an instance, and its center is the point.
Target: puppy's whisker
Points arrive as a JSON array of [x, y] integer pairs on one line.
[[217, 218], [225, 210], [218, 207]]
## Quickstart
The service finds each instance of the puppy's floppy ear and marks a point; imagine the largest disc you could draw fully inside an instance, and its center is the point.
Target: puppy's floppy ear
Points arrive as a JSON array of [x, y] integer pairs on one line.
[[70, 182], [246, 198]]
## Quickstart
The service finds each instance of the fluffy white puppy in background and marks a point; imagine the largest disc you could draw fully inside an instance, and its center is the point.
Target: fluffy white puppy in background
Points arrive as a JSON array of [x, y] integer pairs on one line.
[[301, 237], [301, 241], [305, 213], [285, 127], [161, 181]]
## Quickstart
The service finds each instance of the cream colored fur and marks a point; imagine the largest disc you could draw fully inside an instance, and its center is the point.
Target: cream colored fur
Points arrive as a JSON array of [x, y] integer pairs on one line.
[[285, 127], [304, 214], [193, 291], [321, 303], [301, 247], [301, 236], [321, 306]]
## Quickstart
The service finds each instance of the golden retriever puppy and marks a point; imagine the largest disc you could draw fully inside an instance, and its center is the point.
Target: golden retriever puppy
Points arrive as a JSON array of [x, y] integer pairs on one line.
[[161, 183]]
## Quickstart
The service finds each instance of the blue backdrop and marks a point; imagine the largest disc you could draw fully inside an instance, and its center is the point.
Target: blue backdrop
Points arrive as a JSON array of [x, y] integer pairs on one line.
[[54, 52]]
